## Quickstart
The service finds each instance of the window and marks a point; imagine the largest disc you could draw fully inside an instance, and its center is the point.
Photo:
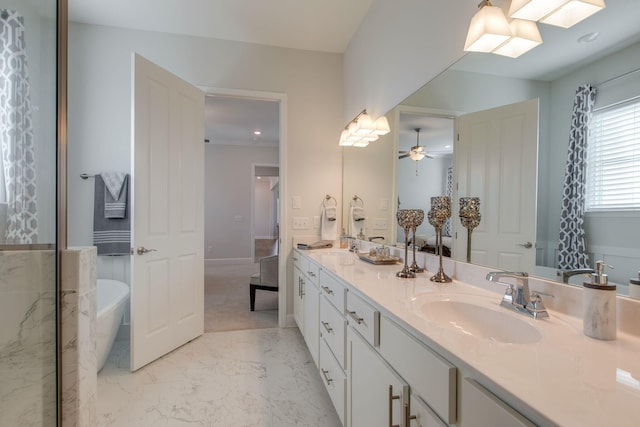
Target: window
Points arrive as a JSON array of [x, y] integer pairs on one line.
[[613, 158]]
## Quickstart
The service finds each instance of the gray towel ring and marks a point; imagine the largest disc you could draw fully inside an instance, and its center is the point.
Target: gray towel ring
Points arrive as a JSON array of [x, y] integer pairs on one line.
[[328, 198], [356, 201]]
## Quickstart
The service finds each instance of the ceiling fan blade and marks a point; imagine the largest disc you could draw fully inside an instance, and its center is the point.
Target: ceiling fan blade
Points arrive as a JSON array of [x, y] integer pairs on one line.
[[428, 156], [402, 156]]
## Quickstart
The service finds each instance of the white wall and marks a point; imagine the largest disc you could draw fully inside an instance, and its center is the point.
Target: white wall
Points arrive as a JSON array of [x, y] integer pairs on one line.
[[400, 46], [263, 210], [99, 109], [228, 193]]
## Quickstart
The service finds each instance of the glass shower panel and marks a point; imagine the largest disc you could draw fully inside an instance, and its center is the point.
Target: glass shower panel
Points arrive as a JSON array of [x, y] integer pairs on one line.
[[28, 374]]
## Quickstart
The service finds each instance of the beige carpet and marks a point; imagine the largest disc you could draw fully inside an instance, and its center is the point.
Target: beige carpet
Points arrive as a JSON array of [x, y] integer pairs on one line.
[[226, 300]]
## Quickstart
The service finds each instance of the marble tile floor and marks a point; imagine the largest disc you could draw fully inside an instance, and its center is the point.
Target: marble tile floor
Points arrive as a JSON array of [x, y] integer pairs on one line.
[[260, 377], [226, 295]]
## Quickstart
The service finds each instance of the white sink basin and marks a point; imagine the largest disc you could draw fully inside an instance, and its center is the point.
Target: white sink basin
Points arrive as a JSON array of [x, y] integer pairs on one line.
[[481, 322]]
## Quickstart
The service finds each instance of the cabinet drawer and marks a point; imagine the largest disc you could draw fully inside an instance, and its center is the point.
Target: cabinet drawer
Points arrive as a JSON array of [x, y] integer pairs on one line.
[[481, 408], [333, 289], [364, 318], [429, 375], [313, 271], [333, 329], [300, 261], [334, 380]]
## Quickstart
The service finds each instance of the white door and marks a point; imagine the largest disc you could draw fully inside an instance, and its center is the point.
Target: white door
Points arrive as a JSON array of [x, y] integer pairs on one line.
[[497, 162], [167, 293]]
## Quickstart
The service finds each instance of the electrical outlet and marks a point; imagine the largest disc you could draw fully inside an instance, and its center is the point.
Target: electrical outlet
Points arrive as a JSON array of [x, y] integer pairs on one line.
[[379, 224], [238, 218], [300, 222], [316, 221], [210, 249]]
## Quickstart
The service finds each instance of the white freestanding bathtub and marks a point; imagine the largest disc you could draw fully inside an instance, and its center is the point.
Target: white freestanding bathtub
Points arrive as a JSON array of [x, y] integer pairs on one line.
[[112, 296]]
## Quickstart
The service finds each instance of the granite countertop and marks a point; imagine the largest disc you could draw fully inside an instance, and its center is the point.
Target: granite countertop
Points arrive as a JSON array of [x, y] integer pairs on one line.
[[563, 375]]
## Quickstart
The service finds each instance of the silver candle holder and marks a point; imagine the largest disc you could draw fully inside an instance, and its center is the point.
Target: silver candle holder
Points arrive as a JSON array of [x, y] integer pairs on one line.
[[417, 221], [470, 218], [406, 219], [440, 211]]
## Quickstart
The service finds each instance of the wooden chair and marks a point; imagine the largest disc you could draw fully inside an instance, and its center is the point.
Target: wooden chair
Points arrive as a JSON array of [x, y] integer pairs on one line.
[[266, 280]]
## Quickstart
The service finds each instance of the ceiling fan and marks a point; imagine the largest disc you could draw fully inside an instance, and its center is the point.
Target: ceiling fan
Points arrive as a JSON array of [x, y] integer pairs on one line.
[[417, 152]]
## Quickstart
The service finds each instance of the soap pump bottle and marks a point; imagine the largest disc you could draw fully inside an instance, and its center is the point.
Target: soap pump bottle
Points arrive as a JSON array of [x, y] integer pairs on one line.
[[634, 287], [599, 306]]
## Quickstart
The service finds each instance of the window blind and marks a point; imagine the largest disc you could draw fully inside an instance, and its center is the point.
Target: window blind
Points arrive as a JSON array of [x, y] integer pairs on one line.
[[613, 158]]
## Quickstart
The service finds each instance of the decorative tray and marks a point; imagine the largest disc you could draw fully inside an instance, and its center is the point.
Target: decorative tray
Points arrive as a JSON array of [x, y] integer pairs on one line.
[[373, 259]]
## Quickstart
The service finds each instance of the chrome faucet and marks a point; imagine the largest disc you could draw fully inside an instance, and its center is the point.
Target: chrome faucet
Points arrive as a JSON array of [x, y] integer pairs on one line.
[[566, 274], [517, 296]]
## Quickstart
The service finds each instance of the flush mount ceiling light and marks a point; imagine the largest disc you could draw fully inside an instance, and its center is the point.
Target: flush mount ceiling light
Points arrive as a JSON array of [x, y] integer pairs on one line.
[[562, 13], [524, 37], [363, 129], [488, 29]]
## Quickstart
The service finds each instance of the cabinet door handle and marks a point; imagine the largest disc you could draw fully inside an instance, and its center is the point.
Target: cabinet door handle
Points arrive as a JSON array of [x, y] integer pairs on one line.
[[355, 317], [311, 273], [326, 326], [295, 259], [407, 415], [392, 397], [527, 245], [327, 289], [326, 376]]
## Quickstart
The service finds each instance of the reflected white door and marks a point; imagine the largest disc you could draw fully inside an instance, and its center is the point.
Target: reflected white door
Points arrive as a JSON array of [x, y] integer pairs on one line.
[[167, 295], [497, 161]]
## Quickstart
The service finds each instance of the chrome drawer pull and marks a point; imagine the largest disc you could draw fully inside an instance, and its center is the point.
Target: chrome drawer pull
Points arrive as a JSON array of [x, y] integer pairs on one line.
[[392, 397], [407, 416], [326, 326], [326, 376], [353, 315], [327, 290]]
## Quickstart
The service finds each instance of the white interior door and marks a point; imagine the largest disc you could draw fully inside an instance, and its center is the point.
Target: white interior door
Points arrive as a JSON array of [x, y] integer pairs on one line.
[[167, 295], [497, 162]]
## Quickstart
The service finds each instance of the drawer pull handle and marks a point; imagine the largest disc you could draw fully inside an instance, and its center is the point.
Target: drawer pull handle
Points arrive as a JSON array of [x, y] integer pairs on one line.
[[326, 326], [327, 290], [392, 397], [326, 376], [355, 317], [407, 415]]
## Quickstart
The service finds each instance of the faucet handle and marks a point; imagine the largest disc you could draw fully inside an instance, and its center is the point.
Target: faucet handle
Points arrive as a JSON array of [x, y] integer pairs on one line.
[[536, 294]]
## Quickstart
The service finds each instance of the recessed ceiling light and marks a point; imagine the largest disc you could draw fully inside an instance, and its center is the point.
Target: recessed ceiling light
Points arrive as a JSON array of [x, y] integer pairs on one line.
[[447, 146], [589, 37], [257, 132]]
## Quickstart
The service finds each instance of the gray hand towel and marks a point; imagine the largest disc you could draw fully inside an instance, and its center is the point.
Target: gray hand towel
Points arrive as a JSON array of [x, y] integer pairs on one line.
[[115, 194], [112, 236]]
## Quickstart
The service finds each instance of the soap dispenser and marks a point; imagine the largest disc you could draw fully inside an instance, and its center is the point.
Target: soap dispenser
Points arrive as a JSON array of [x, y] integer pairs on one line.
[[599, 306], [634, 287]]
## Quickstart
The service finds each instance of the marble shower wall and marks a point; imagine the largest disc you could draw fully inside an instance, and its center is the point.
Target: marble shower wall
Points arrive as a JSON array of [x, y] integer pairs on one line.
[[78, 313], [27, 338]]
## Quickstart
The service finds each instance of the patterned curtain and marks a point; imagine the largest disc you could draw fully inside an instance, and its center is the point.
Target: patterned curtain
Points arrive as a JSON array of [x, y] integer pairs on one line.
[[572, 250], [16, 132], [448, 191]]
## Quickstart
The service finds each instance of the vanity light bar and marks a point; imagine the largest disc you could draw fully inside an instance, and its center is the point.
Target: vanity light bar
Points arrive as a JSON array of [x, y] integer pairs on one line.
[[363, 129]]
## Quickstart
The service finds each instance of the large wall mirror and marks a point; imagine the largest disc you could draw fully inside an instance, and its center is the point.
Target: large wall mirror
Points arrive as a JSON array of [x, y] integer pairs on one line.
[[603, 51]]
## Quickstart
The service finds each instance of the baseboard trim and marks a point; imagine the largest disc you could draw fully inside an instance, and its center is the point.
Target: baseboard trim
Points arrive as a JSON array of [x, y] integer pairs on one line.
[[290, 322]]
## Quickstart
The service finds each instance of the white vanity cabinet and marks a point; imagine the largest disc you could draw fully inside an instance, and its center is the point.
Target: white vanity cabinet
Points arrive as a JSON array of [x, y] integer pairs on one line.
[[306, 300], [377, 395], [480, 407]]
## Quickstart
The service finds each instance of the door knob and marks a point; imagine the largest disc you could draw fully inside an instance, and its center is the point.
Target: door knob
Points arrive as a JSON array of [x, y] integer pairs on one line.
[[527, 245], [142, 250]]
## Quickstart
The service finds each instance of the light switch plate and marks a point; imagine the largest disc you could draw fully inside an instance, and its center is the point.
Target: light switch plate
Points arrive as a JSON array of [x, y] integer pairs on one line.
[[296, 202], [384, 205]]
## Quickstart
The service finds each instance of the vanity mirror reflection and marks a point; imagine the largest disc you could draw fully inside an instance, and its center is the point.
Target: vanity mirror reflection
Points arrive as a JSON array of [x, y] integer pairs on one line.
[[548, 75]]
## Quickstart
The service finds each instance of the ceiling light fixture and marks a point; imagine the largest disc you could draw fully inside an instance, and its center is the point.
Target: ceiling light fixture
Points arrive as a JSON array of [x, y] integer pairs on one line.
[[561, 13], [488, 29], [363, 129], [257, 132], [572, 12], [524, 37]]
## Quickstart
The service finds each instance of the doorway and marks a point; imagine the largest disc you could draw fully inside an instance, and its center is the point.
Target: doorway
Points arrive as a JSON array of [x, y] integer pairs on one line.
[[242, 154]]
